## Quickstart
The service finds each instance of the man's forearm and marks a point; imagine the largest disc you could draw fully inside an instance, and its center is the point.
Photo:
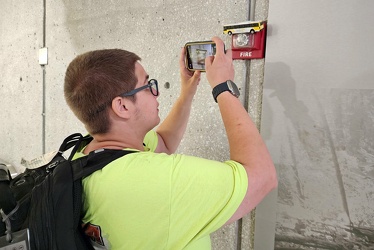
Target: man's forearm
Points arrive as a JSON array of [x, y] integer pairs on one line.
[[248, 148], [172, 129], [243, 136]]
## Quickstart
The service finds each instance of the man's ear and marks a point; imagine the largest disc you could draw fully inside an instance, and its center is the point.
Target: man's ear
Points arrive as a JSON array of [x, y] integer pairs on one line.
[[122, 107]]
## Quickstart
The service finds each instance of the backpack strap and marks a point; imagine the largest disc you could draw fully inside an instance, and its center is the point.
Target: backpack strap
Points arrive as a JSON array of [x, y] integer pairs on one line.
[[75, 140], [71, 141], [83, 167], [96, 160]]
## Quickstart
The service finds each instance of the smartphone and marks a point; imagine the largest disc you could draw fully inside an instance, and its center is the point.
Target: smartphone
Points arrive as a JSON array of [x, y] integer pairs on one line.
[[196, 52]]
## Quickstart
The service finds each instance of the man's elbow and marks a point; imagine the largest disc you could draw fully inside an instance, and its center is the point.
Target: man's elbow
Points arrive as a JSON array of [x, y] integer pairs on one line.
[[269, 179], [273, 179]]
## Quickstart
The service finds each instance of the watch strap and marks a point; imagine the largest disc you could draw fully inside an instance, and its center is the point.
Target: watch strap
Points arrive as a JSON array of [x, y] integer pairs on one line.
[[220, 88]]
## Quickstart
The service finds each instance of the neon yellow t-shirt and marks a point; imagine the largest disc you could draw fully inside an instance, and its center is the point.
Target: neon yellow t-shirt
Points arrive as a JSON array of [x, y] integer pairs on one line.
[[147, 200]]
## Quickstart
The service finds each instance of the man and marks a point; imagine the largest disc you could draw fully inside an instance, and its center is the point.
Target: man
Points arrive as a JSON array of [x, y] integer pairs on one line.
[[155, 199]]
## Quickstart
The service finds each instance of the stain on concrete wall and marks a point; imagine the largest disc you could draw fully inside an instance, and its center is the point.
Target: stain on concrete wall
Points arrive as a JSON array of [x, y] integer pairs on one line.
[[318, 123]]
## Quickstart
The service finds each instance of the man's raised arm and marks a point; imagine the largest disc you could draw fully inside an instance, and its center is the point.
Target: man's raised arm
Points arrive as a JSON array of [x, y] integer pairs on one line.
[[171, 130], [245, 142]]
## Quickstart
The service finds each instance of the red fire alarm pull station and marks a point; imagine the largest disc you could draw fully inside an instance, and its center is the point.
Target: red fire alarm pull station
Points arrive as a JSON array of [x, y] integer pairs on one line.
[[248, 39]]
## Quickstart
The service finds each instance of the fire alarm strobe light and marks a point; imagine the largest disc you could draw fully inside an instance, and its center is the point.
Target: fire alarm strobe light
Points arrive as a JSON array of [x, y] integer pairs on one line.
[[248, 39]]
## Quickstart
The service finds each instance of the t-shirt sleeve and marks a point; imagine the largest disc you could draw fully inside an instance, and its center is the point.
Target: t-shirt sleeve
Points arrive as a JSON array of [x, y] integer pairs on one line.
[[150, 141], [205, 195]]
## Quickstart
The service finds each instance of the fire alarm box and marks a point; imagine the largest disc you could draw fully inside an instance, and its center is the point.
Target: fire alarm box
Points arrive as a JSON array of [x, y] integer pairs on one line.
[[248, 39]]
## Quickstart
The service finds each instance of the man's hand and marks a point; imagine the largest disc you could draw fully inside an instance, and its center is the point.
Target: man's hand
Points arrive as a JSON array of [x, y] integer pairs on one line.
[[189, 79], [219, 68]]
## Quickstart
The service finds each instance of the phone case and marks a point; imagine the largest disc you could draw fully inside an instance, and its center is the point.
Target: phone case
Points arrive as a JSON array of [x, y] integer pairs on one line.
[[196, 52]]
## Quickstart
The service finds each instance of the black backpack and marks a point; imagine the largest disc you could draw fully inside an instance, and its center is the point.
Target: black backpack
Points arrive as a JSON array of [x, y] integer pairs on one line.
[[46, 203]]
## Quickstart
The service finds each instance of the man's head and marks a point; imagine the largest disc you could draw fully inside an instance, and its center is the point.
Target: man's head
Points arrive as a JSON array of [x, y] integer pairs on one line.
[[93, 79]]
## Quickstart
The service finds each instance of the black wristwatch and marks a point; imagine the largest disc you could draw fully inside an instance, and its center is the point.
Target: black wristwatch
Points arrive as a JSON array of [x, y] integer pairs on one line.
[[225, 86]]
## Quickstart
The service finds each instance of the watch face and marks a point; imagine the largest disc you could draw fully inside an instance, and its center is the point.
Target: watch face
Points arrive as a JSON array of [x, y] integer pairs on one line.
[[225, 86], [233, 88]]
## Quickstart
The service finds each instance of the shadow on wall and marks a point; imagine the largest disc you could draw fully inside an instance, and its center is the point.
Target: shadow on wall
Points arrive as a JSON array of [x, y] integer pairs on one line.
[[279, 80], [318, 162], [283, 88]]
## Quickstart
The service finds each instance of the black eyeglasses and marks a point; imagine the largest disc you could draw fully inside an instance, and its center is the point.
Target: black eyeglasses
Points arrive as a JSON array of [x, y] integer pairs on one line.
[[152, 85]]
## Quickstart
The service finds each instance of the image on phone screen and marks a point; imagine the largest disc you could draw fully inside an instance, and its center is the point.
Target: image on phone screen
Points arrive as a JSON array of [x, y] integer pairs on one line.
[[196, 54]]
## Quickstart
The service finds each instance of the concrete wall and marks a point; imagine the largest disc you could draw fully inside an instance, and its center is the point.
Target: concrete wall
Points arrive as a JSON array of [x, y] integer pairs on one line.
[[318, 122], [34, 116], [21, 80], [317, 113]]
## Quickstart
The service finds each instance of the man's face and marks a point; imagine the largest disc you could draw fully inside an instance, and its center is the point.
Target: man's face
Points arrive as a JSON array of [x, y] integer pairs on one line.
[[146, 103]]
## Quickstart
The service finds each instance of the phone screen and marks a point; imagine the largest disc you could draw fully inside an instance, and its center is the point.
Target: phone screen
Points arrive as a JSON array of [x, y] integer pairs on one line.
[[196, 52]]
